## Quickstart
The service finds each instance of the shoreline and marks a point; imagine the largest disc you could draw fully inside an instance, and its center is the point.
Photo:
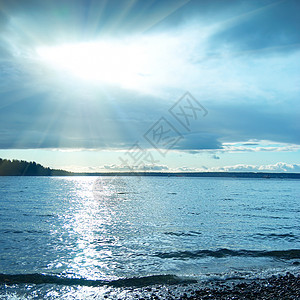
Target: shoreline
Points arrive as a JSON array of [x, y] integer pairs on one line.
[[275, 287]]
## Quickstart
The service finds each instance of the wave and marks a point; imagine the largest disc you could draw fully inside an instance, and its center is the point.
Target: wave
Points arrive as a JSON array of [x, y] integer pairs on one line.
[[220, 253], [20, 231], [190, 233], [38, 278], [275, 236]]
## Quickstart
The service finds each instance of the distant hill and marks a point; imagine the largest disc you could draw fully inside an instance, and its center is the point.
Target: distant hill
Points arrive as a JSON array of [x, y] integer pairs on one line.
[[24, 168]]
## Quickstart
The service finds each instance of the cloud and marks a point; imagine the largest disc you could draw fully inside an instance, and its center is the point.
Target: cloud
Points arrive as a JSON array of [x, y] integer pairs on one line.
[[198, 141], [84, 20], [249, 96], [263, 147], [269, 26], [250, 144], [278, 167], [117, 168], [189, 169], [133, 168]]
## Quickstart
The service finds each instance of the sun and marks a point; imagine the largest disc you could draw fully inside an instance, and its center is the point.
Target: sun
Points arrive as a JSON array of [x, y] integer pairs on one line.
[[110, 62]]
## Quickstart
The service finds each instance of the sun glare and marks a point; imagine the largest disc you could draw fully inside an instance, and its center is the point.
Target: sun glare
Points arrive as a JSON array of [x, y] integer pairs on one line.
[[108, 62]]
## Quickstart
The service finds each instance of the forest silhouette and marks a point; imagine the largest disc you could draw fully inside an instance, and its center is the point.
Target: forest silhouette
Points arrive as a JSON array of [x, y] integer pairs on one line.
[[23, 168]]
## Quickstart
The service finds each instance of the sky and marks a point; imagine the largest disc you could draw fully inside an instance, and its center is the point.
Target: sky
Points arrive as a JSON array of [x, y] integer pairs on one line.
[[200, 85]]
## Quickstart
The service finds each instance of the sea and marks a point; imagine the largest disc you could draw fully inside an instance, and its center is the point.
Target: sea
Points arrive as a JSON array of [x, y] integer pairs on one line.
[[101, 237]]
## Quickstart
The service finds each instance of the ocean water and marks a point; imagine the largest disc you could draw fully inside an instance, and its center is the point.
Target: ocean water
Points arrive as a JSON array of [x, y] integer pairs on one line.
[[81, 237]]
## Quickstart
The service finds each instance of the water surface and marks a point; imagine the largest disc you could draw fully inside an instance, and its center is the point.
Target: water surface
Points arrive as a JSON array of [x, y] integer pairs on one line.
[[104, 232]]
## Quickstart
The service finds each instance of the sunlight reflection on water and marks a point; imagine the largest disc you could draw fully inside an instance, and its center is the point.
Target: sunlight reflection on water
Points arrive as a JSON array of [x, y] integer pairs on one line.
[[88, 223]]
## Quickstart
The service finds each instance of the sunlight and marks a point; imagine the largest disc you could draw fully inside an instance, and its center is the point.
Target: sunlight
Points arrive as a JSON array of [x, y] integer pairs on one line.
[[110, 62]]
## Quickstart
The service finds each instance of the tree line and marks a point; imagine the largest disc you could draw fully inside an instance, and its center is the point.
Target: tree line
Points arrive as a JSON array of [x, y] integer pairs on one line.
[[23, 168]]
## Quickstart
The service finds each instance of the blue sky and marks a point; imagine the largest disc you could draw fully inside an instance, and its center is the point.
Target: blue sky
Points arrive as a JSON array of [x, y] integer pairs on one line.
[[88, 85]]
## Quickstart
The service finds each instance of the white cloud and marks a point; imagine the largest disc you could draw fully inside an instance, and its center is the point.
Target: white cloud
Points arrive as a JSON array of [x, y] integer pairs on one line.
[[273, 168], [278, 167], [130, 168], [259, 146]]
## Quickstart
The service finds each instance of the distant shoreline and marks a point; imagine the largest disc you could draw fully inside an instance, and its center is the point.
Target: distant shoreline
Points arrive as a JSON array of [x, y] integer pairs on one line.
[[199, 174], [162, 174], [24, 168]]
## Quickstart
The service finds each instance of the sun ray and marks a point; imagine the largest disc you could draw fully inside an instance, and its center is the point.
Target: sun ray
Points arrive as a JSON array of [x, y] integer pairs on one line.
[[162, 15]]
